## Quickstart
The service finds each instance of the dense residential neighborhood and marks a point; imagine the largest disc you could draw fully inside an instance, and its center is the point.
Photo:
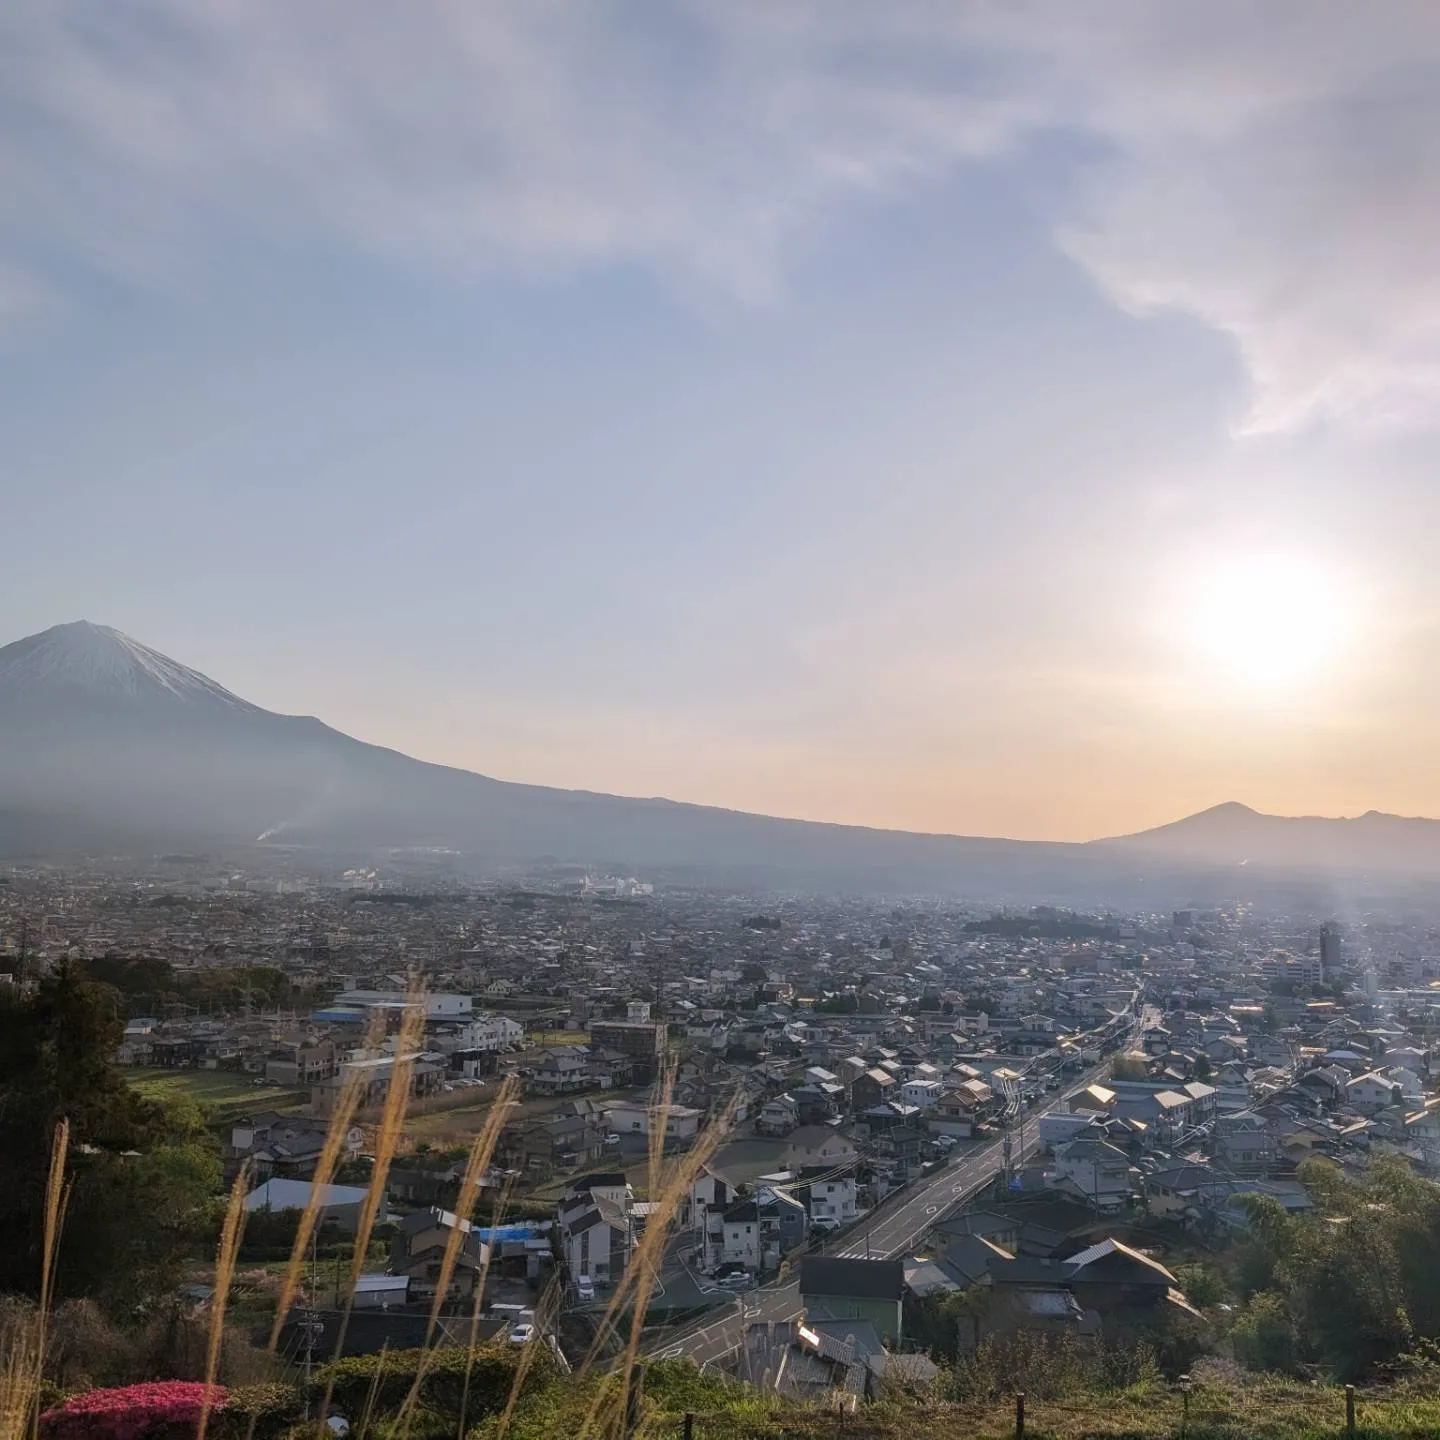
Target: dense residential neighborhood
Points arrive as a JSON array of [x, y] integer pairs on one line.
[[1077, 1097]]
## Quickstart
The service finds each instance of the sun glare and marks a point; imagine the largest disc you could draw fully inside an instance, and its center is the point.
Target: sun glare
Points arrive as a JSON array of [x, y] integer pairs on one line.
[[1270, 622]]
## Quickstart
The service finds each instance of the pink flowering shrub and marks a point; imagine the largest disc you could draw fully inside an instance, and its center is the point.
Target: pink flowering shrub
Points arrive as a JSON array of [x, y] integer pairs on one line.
[[161, 1410]]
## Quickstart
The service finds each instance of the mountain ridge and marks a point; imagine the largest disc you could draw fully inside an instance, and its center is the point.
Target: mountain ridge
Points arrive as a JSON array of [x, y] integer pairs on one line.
[[106, 735]]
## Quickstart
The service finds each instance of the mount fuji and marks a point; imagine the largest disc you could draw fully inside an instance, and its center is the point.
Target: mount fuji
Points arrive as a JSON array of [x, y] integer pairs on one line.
[[106, 744]]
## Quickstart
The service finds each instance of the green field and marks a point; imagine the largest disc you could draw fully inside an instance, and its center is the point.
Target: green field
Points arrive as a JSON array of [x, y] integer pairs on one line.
[[223, 1092], [556, 1037]]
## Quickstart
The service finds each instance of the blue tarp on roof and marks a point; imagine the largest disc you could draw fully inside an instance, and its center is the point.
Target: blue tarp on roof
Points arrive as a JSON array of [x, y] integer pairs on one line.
[[502, 1233], [339, 1015]]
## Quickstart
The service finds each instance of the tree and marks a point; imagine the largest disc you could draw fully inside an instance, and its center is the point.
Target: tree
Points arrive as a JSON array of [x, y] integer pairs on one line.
[[140, 1181]]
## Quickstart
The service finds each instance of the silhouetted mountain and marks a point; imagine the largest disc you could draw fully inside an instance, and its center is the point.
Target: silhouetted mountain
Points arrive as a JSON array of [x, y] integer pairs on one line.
[[1234, 834], [108, 742], [107, 745]]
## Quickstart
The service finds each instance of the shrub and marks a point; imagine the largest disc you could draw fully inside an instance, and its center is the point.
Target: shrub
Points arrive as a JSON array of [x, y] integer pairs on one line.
[[160, 1410], [491, 1379], [258, 1412]]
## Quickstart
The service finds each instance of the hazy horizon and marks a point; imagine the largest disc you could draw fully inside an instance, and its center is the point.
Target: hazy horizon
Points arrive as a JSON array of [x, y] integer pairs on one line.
[[984, 420]]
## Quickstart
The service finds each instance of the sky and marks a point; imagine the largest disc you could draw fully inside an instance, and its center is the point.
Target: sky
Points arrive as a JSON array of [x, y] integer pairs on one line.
[[1012, 419]]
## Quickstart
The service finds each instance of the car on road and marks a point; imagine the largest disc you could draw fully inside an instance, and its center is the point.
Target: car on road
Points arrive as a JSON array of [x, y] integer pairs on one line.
[[522, 1334], [736, 1281], [584, 1289], [612, 1138], [824, 1225]]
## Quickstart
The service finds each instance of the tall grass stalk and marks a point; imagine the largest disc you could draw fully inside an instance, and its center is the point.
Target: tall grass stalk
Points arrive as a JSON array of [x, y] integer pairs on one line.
[[230, 1233], [387, 1137], [607, 1409], [347, 1102], [472, 1344], [545, 1309], [476, 1166], [22, 1359], [57, 1199]]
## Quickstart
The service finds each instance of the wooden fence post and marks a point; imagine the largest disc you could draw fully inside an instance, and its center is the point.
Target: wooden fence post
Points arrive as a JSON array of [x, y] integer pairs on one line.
[[689, 1425], [1019, 1415], [1350, 1412]]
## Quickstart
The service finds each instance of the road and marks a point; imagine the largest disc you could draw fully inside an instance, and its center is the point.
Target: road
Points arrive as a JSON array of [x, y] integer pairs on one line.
[[894, 1229]]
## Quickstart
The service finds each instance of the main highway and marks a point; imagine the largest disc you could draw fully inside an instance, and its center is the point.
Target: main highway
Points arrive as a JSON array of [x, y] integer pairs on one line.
[[892, 1229]]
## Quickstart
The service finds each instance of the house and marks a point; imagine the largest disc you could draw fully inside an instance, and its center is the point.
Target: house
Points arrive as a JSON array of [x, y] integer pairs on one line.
[[305, 1063], [381, 1292], [871, 1088], [488, 1031], [832, 1288], [1095, 1099], [1244, 1144], [374, 1075], [1373, 1091], [1093, 1170], [1110, 1276], [755, 1231], [816, 1145], [338, 1204], [285, 1145], [920, 1093], [828, 1194], [834, 1363], [563, 1142], [818, 1103], [596, 1225], [418, 1252], [682, 1122], [560, 1071], [779, 1115]]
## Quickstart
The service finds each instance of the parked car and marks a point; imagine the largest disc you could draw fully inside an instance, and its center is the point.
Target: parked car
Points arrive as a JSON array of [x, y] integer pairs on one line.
[[584, 1289], [824, 1225], [522, 1334], [612, 1138], [735, 1280]]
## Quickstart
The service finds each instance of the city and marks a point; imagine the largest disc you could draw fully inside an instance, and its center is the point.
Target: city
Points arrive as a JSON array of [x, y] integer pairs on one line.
[[1049, 1112]]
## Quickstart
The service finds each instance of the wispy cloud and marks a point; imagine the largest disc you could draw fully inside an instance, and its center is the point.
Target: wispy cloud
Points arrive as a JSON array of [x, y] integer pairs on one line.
[[1267, 169]]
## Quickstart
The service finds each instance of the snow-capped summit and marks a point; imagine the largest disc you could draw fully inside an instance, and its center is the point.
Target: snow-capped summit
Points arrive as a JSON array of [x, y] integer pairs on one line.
[[99, 661]]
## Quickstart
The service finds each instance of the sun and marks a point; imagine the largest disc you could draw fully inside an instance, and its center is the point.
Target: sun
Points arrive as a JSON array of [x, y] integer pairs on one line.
[[1271, 622]]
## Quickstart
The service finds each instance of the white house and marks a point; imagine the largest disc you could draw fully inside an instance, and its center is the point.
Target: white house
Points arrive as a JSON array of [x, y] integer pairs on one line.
[[920, 1093], [1093, 1170], [596, 1226], [682, 1122], [488, 1031], [828, 1194], [1372, 1091]]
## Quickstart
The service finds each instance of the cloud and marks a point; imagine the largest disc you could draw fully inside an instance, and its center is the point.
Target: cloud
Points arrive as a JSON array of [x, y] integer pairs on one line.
[[1269, 169]]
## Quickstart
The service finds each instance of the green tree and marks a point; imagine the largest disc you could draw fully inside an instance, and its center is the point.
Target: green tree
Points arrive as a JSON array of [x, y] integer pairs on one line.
[[1264, 1334], [140, 1181]]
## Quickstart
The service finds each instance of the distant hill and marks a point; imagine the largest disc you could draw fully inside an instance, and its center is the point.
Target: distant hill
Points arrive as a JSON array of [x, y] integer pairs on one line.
[[1234, 834]]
